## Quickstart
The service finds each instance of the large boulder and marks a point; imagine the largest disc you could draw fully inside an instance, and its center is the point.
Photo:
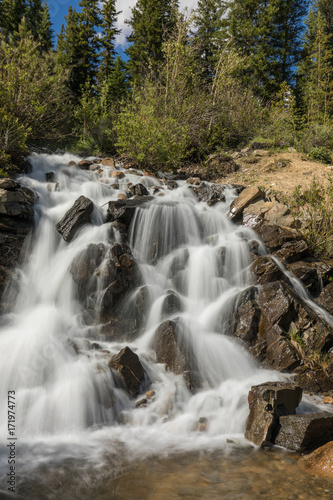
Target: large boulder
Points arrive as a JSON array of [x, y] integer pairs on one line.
[[305, 432], [172, 349], [130, 371], [76, 217], [267, 403], [248, 196], [137, 190]]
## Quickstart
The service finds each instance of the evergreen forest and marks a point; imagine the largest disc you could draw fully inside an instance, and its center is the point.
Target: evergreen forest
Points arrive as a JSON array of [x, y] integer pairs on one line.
[[192, 83]]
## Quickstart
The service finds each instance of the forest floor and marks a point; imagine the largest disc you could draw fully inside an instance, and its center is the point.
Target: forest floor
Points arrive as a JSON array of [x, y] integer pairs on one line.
[[281, 172]]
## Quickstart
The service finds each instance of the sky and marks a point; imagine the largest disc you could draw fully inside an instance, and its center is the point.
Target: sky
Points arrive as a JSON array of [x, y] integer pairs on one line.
[[59, 8]]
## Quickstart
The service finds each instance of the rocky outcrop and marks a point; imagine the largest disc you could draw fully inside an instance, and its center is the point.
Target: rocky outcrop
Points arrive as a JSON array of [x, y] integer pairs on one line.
[[129, 370], [172, 349], [268, 403], [16, 222], [268, 212], [75, 218]]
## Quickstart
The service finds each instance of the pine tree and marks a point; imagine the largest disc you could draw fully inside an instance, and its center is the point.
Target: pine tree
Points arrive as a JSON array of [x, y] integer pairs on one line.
[[268, 33], [210, 34], [150, 22], [39, 23], [90, 21], [11, 13], [108, 37], [315, 83]]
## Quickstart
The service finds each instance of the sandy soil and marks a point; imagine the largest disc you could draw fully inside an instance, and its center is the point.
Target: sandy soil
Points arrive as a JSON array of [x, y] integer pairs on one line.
[[281, 172]]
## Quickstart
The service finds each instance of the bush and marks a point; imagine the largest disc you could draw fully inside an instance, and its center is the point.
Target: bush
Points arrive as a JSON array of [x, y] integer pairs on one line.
[[314, 208], [321, 154]]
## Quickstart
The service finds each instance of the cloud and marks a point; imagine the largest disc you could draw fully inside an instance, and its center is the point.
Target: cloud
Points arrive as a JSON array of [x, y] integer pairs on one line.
[[125, 7]]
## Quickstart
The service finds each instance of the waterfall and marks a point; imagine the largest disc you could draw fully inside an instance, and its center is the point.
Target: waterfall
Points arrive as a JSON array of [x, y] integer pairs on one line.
[[68, 403]]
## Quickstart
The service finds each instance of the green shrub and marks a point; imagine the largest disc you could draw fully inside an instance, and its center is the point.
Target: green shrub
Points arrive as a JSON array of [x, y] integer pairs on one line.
[[321, 154], [314, 209]]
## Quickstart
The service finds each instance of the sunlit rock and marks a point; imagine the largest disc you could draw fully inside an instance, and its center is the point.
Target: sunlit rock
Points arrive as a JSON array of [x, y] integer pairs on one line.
[[75, 218]]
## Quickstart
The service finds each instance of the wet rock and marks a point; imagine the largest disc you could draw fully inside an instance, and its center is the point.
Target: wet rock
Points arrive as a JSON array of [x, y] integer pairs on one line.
[[50, 177], [170, 184], [194, 181], [150, 394], [264, 270], [307, 273], [247, 196], [122, 211], [292, 251], [268, 212], [245, 316], [328, 400], [267, 403], [208, 193], [179, 262], [16, 223], [171, 304], [142, 403], [275, 237], [85, 164], [76, 217], [305, 432], [137, 190], [320, 461], [129, 369], [325, 299], [202, 424], [72, 164], [117, 174], [83, 270], [122, 196], [108, 162], [172, 349]]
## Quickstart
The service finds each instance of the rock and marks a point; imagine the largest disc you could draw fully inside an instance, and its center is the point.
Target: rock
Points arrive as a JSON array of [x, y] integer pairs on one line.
[[171, 304], [292, 251], [76, 217], [85, 164], [16, 222], [307, 273], [17, 201], [150, 394], [325, 299], [245, 316], [208, 193], [137, 190], [72, 164], [305, 432], [194, 181], [122, 196], [328, 400], [141, 404], [129, 369], [265, 270], [108, 162], [83, 270], [275, 237], [50, 177], [268, 212], [117, 174], [170, 348], [320, 461], [247, 196], [267, 402], [202, 424], [123, 211]]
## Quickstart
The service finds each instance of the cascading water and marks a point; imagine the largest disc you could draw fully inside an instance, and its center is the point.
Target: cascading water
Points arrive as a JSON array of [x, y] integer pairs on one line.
[[68, 404]]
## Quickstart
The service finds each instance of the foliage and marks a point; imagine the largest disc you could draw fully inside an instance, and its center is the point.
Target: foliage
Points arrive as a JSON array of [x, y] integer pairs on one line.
[[31, 88], [151, 21], [314, 208]]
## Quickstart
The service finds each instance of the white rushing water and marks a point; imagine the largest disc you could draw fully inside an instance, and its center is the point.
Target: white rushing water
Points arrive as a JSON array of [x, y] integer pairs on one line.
[[61, 396]]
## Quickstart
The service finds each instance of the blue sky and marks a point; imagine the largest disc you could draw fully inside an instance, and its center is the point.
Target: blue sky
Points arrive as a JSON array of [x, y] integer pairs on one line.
[[59, 8]]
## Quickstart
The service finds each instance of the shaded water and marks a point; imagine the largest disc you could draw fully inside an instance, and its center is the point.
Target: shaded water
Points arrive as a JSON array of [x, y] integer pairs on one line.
[[69, 407]]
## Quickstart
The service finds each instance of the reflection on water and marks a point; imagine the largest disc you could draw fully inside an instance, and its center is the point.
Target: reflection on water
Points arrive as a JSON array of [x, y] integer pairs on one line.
[[246, 473]]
